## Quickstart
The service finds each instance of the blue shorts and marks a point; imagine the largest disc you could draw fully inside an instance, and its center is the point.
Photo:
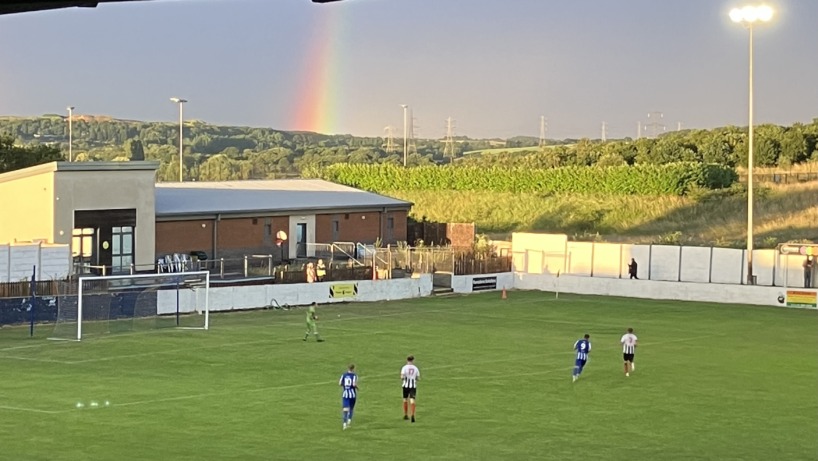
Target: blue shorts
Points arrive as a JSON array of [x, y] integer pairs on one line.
[[347, 403], [580, 363]]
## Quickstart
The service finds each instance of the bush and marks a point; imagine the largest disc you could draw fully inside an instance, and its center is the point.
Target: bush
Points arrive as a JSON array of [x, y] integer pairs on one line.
[[643, 179]]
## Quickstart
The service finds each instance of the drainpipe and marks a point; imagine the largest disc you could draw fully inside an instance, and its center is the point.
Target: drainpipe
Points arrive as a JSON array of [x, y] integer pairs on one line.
[[216, 236]]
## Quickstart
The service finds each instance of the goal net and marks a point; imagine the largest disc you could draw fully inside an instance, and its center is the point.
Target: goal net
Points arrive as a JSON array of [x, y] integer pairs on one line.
[[126, 303]]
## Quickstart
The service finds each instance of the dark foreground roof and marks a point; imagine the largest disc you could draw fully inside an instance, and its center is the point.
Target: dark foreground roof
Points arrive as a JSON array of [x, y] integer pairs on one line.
[[280, 196], [9, 7]]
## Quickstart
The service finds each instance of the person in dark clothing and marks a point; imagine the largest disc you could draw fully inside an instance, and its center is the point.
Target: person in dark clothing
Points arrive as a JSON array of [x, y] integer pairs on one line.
[[808, 264], [632, 268]]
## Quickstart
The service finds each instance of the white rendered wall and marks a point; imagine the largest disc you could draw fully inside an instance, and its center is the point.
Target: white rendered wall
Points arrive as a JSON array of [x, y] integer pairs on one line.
[[17, 261], [301, 294], [650, 289]]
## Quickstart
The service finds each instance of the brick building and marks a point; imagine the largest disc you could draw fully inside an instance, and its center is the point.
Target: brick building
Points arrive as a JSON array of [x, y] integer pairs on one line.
[[227, 219]]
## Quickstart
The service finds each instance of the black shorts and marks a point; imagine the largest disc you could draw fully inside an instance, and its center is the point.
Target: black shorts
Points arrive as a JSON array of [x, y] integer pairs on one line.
[[628, 357], [410, 392]]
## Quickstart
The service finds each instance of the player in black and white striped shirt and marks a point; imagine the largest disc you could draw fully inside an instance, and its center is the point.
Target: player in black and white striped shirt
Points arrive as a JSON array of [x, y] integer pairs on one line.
[[628, 350], [409, 375]]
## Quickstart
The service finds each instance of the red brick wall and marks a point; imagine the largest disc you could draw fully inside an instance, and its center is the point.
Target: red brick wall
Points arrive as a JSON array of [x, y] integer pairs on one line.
[[360, 227], [184, 237], [233, 234]]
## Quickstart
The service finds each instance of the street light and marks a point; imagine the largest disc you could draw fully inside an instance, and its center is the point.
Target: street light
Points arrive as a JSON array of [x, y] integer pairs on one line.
[[405, 132], [70, 110], [181, 103], [748, 16]]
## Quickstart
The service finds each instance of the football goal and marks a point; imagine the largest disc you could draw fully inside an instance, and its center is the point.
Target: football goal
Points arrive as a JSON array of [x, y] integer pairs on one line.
[[126, 303]]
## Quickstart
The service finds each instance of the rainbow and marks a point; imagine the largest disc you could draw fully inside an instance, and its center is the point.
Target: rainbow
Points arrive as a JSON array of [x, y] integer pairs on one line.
[[317, 102]]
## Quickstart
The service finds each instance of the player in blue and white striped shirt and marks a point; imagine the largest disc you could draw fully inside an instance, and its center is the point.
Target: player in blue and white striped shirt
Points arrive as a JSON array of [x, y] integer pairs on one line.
[[349, 384], [583, 348]]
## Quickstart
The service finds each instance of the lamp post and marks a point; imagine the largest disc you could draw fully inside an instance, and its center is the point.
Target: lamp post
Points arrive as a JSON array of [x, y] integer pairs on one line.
[[748, 16], [405, 132], [70, 110], [181, 103]]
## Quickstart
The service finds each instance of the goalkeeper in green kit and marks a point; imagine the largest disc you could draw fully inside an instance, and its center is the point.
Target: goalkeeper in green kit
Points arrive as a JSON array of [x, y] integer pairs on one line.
[[311, 327]]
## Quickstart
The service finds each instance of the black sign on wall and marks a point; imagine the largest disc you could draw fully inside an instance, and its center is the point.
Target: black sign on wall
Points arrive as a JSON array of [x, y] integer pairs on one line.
[[483, 283]]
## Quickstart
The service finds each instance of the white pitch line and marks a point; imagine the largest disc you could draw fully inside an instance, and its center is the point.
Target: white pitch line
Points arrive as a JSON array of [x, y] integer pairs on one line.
[[34, 359], [32, 410]]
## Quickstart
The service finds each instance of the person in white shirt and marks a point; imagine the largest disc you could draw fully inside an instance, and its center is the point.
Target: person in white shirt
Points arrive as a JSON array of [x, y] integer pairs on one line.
[[409, 375], [628, 350]]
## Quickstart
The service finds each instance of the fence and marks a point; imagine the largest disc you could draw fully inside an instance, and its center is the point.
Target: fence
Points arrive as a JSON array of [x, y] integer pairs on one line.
[[656, 262], [22, 289], [781, 178]]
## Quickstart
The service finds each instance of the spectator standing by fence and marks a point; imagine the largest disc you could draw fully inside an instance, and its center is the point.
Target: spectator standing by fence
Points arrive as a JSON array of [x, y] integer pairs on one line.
[[310, 273], [809, 263], [632, 268], [320, 270]]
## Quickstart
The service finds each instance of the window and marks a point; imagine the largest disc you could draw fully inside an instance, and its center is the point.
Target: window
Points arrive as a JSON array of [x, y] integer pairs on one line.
[[390, 223], [122, 250], [336, 230], [82, 246]]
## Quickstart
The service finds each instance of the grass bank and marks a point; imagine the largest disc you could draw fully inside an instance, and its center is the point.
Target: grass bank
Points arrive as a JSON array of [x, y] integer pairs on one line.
[[782, 213]]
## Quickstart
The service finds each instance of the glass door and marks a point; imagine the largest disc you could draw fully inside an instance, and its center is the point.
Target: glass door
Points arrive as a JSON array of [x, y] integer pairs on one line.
[[122, 250]]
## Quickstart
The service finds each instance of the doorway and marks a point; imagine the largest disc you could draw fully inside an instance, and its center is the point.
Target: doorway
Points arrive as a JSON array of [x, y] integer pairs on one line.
[[301, 240]]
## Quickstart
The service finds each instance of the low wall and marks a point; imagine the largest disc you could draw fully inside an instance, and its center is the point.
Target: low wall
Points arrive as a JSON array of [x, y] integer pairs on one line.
[[257, 296], [484, 282], [652, 289]]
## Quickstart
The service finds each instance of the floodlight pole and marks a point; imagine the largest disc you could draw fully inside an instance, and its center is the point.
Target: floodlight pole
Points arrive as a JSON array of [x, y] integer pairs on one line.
[[750, 164], [70, 133], [748, 16], [181, 103]]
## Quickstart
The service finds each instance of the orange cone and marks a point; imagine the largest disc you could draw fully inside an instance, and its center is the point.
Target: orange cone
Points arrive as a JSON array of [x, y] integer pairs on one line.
[[505, 295]]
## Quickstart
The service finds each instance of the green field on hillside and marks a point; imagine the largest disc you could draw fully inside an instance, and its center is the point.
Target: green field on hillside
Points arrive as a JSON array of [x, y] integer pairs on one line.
[[782, 213], [712, 382]]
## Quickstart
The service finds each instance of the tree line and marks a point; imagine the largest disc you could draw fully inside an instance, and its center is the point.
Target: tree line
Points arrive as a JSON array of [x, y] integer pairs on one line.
[[214, 153]]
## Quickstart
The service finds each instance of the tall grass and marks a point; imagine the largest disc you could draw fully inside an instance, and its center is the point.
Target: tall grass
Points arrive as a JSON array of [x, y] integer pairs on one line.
[[782, 213]]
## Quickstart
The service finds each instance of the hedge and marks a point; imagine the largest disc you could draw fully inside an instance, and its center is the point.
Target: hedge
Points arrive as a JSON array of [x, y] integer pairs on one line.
[[642, 179]]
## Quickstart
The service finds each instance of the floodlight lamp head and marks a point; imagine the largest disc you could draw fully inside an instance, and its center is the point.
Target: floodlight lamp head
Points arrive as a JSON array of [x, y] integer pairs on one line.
[[765, 13], [751, 14], [69, 108], [178, 100]]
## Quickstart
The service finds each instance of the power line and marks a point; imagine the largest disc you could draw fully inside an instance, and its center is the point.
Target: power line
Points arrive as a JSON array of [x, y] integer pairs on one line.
[[448, 147], [390, 139], [655, 125]]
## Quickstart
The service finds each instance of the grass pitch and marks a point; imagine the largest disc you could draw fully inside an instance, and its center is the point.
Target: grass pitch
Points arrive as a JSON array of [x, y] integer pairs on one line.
[[711, 382]]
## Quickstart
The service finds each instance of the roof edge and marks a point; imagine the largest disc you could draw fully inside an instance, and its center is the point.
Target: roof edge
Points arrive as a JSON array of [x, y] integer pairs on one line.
[[53, 167], [164, 217]]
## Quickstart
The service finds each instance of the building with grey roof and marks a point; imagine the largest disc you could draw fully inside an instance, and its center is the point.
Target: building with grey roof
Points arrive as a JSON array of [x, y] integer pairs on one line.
[[114, 215]]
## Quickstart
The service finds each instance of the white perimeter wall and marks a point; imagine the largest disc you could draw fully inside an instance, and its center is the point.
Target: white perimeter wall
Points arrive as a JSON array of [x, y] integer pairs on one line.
[[258, 296], [17, 261], [552, 253], [652, 289]]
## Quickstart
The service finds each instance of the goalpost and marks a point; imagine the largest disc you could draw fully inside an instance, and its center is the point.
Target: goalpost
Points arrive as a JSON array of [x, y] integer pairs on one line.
[[126, 303]]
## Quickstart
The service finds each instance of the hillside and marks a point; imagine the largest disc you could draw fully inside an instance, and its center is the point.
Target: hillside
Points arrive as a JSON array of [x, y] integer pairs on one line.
[[782, 213]]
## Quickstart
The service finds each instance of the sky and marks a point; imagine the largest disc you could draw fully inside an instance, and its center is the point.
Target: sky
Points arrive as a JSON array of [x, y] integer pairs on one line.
[[494, 66]]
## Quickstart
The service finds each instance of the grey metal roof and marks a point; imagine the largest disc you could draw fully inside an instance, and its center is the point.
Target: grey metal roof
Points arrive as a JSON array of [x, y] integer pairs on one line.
[[274, 196]]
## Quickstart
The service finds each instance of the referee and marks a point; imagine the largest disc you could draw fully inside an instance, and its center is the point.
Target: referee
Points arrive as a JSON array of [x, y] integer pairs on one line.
[[409, 375], [628, 350]]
